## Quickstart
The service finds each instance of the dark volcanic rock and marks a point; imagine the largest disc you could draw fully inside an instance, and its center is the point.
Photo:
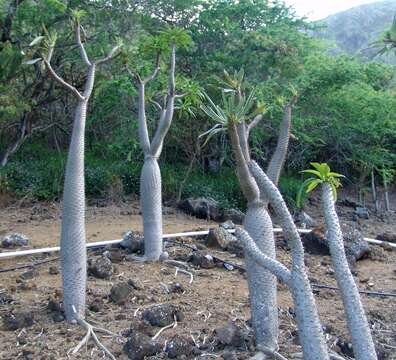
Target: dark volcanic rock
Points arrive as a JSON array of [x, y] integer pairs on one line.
[[202, 208], [14, 240], [199, 258], [100, 267], [140, 345], [387, 236], [362, 212], [356, 247], [53, 270], [120, 292], [219, 238], [16, 321], [30, 274], [162, 315], [302, 219], [132, 241], [236, 216], [230, 335], [179, 346]]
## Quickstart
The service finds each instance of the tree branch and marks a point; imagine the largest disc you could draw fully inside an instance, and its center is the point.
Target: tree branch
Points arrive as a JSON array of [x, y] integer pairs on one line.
[[110, 56], [279, 156], [56, 77], [274, 266], [155, 71], [81, 46], [166, 117], [246, 181], [253, 124]]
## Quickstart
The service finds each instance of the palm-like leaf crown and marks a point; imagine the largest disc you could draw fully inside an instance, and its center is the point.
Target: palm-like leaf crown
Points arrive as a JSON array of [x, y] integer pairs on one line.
[[235, 106], [322, 174]]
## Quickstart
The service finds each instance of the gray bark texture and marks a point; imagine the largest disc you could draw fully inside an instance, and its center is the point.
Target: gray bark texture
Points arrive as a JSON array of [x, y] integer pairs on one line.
[[150, 179], [73, 252], [310, 329], [279, 157], [150, 203], [262, 283], [363, 345], [73, 241]]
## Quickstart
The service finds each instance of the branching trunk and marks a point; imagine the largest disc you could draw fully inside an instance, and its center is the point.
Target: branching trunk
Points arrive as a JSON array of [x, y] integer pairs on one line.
[[150, 179], [73, 241], [363, 345], [310, 330]]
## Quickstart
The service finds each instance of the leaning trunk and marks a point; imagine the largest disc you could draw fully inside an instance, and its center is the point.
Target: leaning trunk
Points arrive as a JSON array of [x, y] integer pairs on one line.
[[151, 205], [262, 283], [363, 345], [73, 251]]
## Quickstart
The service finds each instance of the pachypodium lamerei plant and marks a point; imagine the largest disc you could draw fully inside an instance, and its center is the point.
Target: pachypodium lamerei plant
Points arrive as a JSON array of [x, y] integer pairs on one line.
[[296, 278], [363, 345], [73, 240], [237, 117], [150, 179]]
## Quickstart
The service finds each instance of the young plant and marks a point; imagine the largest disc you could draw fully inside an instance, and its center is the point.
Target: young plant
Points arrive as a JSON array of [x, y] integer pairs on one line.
[[363, 345]]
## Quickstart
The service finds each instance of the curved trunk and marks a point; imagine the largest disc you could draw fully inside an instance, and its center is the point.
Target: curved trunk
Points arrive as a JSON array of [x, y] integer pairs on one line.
[[262, 283], [278, 158], [310, 330], [363, 345], [73, 251], [151, 205]]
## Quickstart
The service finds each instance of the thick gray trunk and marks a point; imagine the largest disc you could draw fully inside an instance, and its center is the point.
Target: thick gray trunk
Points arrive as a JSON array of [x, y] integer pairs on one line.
[[151, 205], [262, 283], [363, 345], [73, 252]]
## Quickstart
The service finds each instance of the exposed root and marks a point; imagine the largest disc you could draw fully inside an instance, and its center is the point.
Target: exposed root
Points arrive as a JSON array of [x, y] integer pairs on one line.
[[173, 325], [91, 334]]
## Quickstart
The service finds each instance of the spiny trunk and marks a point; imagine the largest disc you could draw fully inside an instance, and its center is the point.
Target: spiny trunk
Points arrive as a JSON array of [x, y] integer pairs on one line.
[[363, 345], [262, 283], [310, 330], [73, 252], [151, 205], [279, 157]]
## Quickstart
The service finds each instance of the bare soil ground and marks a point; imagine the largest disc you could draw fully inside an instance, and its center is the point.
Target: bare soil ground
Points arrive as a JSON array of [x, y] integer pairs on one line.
[[216, 296]]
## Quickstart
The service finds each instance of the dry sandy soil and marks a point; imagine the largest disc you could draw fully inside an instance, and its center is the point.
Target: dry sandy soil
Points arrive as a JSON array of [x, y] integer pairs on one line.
[[216, 296]]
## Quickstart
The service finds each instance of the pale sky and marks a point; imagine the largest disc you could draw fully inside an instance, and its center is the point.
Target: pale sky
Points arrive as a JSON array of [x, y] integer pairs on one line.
[[319, 9]]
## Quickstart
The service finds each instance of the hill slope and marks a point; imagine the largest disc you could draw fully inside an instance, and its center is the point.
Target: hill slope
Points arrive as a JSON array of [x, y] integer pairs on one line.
[[352, 31]]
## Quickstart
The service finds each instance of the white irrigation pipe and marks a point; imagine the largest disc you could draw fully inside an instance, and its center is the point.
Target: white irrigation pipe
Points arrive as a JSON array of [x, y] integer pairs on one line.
[[10, 254]]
